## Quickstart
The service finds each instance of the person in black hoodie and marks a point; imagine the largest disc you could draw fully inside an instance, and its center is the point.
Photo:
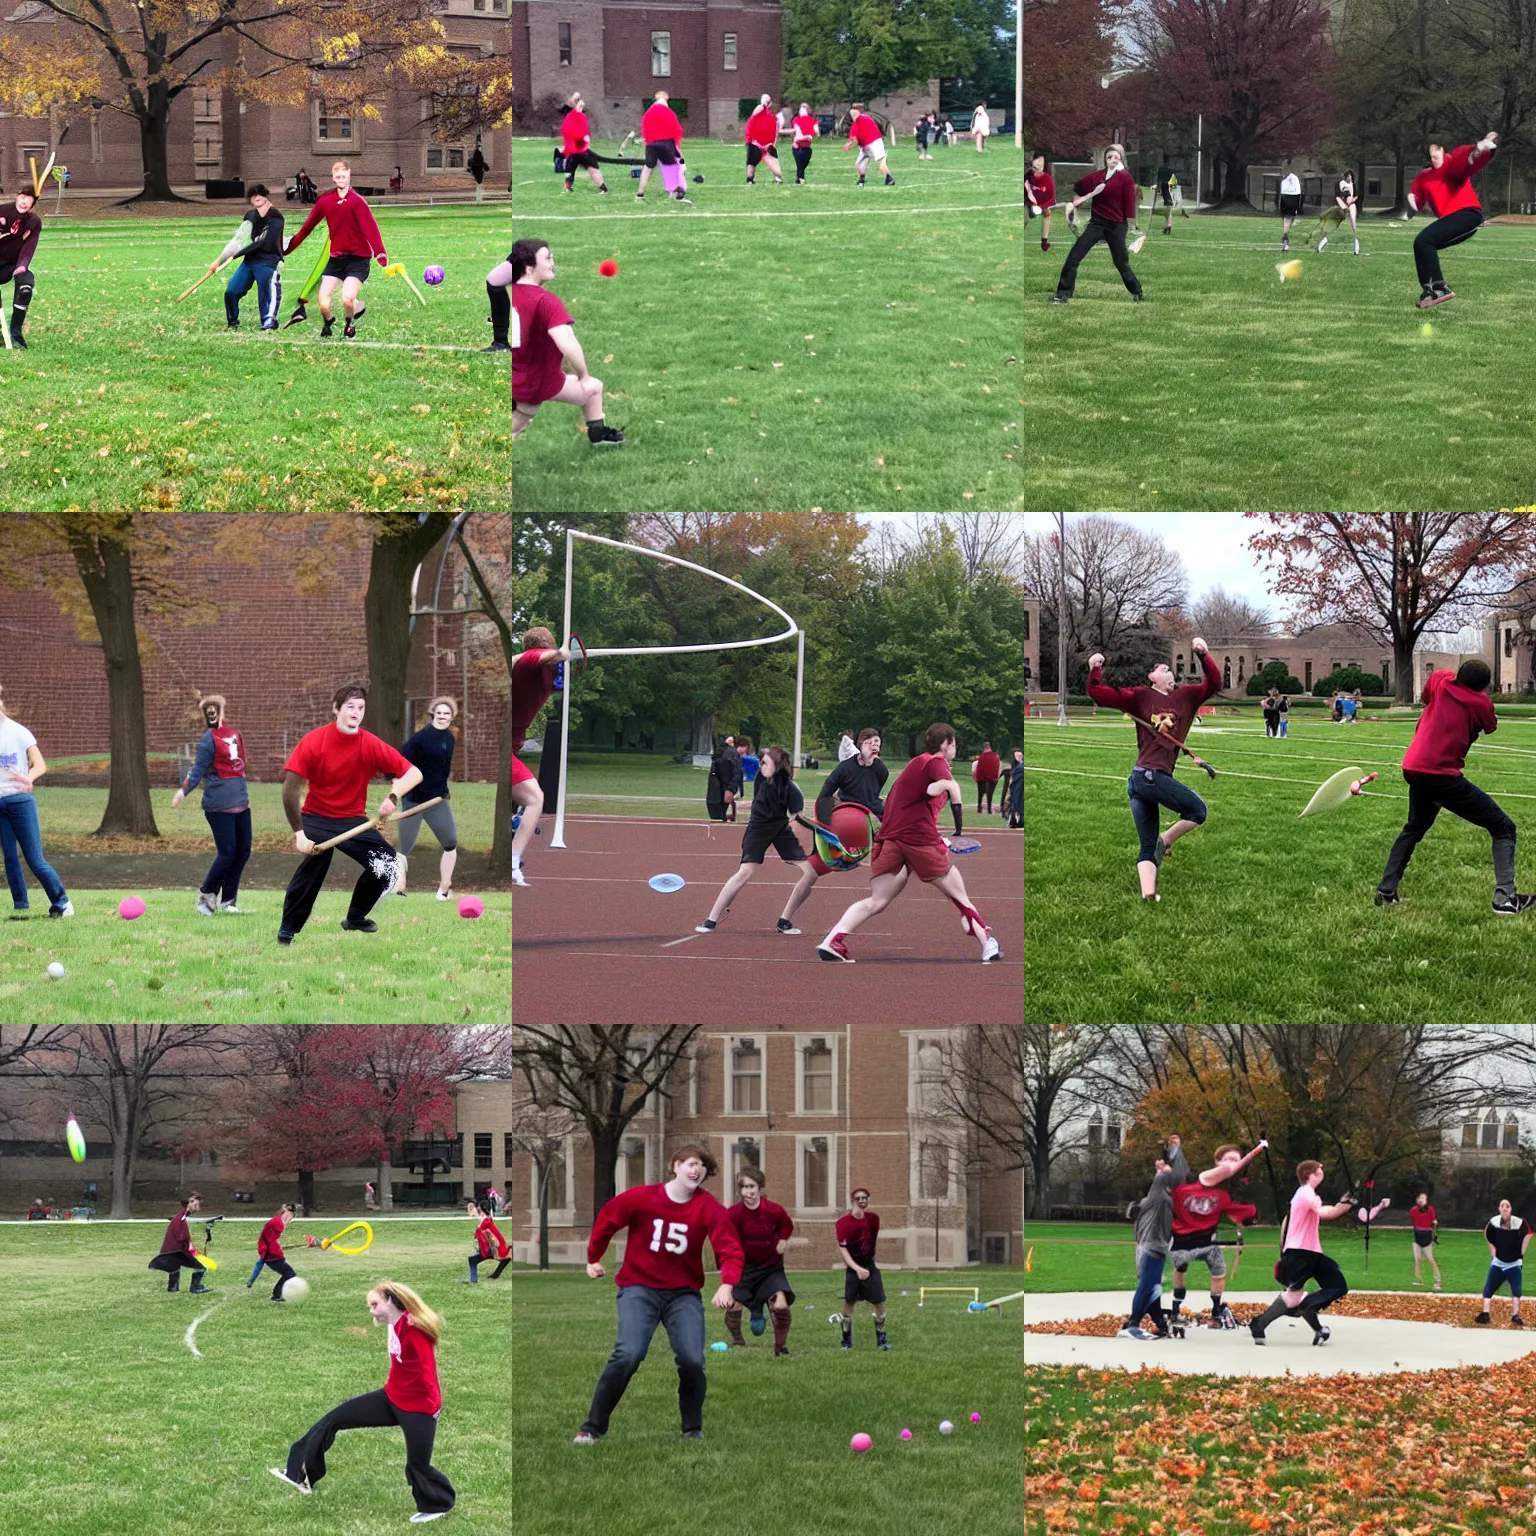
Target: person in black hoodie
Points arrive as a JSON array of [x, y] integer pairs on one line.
[[431, 750], [258, 247], [776, 798]]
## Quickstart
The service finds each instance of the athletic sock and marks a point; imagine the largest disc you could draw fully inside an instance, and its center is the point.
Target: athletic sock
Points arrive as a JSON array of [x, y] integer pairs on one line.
[[781, 1322], [595, 429]]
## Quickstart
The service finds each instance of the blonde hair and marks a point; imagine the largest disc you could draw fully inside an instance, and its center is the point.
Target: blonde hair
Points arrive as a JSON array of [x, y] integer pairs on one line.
[[442, 698], [335, 163], [421, 1315]]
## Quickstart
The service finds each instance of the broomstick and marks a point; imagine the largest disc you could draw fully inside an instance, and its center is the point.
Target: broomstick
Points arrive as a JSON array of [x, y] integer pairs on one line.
[[1194, 757]]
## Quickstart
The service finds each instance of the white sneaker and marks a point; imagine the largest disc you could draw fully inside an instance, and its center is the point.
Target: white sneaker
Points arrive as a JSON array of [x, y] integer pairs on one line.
[[204, 907], [443, 895], [229, 906], [419, 1518], [1322, 245], [67, 910], [990, 951], [1357, 247], [517, 877], [281, 1473]]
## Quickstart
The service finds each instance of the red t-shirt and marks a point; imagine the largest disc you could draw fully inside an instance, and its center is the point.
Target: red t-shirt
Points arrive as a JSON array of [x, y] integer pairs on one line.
[[532, 685], [1423, 1220], [988, 766], [537, 371], [339, 767], [666, 1239], [575, 133], [864, 129], [857, 1234], [412, 1381], [1454, 717], [659, 121], [1041, 190], [805, 131], [760, 1232], [486, 1234], [270, 1244], [911, 814], [762, 128], [1450, 189]]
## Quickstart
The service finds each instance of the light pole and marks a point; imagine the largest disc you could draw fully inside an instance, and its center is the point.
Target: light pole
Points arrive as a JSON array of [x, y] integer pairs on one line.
[[1018, 76], [1061, 618]]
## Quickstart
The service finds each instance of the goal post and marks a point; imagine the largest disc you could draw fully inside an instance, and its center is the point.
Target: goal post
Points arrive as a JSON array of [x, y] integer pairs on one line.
[[973, 1291], [792, 630]]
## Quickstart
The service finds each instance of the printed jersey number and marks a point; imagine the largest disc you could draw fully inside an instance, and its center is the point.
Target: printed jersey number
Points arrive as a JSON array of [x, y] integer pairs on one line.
[[677, 1236]]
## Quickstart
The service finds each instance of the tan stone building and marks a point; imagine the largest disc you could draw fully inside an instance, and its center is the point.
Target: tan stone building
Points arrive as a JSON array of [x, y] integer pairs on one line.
[[215, 136], [820, 1111]]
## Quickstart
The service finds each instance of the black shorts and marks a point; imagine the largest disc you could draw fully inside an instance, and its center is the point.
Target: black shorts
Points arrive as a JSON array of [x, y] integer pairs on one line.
[[758, 1285], [347, 266], [855, 1289], [7, 272], [1423, 1239], [1290, 203], [756, 843], [756, 152], [583, 158], [661, 152]]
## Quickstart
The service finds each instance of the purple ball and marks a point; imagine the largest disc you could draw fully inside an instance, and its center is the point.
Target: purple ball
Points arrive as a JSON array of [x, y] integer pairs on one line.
[[433, 275]]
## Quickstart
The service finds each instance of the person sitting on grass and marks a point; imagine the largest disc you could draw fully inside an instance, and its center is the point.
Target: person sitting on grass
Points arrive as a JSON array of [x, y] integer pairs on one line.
[[1170, 711], [1457, 710], [776, 798], [220, 768], [546, 343], [1507, 1236], [1426, 1233], [21, 836]]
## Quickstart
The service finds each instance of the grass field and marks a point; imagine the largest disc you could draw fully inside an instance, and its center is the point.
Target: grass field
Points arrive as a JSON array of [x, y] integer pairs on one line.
[[1264, 917], [775, 1455], [1227, 388], [785, 347], [128, 400], [115, 1426]]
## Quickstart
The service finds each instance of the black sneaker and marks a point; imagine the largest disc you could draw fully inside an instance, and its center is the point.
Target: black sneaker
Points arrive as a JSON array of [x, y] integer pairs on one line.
[[18, 340], [1388, 899], [367, 925], [1138, 297], [1061, 298], [890, 181], [327, 328], [693, 1434], [787, 928], [298, 317], [607, 437], [349, 330], [284, 938], [1519, 902], [1482, 1317], [1321, 1336], [232, 325], [498, 346]]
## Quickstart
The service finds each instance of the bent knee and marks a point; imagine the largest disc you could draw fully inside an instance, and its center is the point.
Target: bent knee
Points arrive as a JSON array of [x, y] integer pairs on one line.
[[1198, 814]]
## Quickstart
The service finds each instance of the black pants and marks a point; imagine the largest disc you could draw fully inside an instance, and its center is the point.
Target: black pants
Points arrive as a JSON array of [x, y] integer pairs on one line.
[[173, 1263], [284, 1272], [1114, 236], [367, 848], [232, 837], [802, 154], [984, 788], [1428, 794], [501, 311], [1439, 236], [373, 1410], [475, 1261]]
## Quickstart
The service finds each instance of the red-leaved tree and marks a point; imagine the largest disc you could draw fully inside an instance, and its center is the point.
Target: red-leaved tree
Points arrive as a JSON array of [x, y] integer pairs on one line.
[[1068, 49], [1395, 574]]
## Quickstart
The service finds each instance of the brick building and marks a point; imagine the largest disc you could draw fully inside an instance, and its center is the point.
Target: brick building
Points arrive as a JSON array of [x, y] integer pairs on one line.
[[820, 1111], [1032, 644], [289, 629], [214, 135]]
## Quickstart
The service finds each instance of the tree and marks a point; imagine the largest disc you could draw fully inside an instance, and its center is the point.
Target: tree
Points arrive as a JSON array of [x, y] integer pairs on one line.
[[1274, 674], [136, 60], [1223, 616], [1395, 574], [983, 1086], [541, 1130], [1131, 655], [1059, 1088], [1260, 72], [1068, 49]]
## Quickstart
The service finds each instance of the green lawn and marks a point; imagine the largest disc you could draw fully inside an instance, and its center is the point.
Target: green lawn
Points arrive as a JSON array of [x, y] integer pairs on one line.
[[126, 399], [426, 964], [1264, 917], [112, 1422], [1227, 388], [784, 347], [775, 1455]]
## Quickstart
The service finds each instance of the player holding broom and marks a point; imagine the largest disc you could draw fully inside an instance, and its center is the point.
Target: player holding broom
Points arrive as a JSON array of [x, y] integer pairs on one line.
[[355, 237], [1114, 198], [1170, 711], [19, 231]]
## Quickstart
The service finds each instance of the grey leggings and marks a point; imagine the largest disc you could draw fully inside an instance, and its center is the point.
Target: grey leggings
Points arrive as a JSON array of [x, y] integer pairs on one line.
[[440, 819]]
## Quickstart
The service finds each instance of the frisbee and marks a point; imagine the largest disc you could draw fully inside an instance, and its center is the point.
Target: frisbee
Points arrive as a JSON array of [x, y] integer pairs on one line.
[[666, 884]]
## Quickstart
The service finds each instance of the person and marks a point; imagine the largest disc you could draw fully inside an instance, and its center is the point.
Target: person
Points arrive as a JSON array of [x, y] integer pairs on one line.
[[410, 1398], [1426, 1233], [1290, 206], [846, 747], [1445, 187], [719, 795], [761, 136], [576, 147], [369, 1199], [864, 131], [764, 1230], [1114, 197], [774, 800], [431, 750], [336, 762], [1285, 714], [21, 838], [220, 768], [37, 1211], [806, 131], [397, 181], [1039, 196], [660, 1282], [1152, 1222], [1168, 192], [985, 771], [1152, 784], [547, 341], [308, 192], [487, 1238], [1198, 1208], [176, 1250], [662, 134], [920, 135], [1507, 1236], [857, 1233], [269, 1249], [533, 680], [354, 236], [477, 166], [498, 289], [909, 840], [1302, 1258], [981, 126], [1345, 206], [258, 247], [1457, 710], [20, 228], [1338, 706], [1271, 707], [1016, 792]]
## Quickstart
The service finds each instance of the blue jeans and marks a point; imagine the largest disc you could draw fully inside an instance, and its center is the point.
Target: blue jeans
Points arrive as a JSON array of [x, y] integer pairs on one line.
[[641, 1308], [232, 837], [1149, 1287], [1150, 788], [21, 837], [268, 282]]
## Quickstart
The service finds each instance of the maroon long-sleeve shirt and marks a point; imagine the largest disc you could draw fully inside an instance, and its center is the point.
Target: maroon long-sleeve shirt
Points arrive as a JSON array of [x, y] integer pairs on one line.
[[353, 229], [1171, 712], [1116, 200], [18, 235]]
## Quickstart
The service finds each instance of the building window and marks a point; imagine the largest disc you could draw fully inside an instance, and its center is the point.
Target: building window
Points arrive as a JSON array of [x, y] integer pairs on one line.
[[661, 55], [1511, 1134], [994, 1248], [1491, 1132], [746, 1077], [933, 1170], [1309, 676], [445, 157], [816, 1078], [746, 1152], [506, 1149], [730, 55], [483, 1149], [1226, 673], [1239, 671], [331, 129], [1509, 636], [632, 1162], [815, 1173], [565, 43], [1026, 623]]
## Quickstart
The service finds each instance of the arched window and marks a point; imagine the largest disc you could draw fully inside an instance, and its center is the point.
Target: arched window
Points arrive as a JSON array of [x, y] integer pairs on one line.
[[1490, 1137], [1226, 673], [1178, 665], [1239, 671]]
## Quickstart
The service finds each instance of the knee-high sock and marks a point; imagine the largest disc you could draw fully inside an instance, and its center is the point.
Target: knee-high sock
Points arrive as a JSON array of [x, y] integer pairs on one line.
[[501, 311]]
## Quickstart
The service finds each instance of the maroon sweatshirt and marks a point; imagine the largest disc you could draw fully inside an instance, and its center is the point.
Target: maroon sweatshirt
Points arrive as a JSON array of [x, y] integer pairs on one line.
[[18, 236], [1453, 719], [1171, 712], [1116, 202]]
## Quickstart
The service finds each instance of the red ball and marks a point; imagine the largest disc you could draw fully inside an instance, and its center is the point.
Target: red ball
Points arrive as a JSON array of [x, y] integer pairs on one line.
[[609, 268]]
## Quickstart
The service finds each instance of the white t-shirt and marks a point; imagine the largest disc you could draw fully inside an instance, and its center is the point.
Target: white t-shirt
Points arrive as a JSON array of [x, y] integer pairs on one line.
[[980, 122], [1291, 186], [15, 738]]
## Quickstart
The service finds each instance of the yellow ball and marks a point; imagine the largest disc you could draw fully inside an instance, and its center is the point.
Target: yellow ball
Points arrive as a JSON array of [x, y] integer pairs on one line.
[[1426, 329], [1288, 270]]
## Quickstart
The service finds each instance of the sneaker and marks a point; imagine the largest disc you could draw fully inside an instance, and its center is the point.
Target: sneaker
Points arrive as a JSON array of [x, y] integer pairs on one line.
[[231, 325], [780, 1350], [607, 437], [1322, 245], [349, 330], [1045, 245], [518, 877], [1256, 1331], [327, 328], [1483, 1318], [284, 939], [1139, 1334], [1517, 1321], [1285, 243], [1519, 902], [1432, 296], [707, 926], [833, 948], [787, 928], [1388, 899], [205, 908], [1321, 1336], [366, 925], [423, 1515], [498, 346], [67, 910], [441, 895], [890, 181], [1061, 298], [1357, 247], [281, 1474], [639, 197], [586, 1437], [990, 951], [693, 1434]]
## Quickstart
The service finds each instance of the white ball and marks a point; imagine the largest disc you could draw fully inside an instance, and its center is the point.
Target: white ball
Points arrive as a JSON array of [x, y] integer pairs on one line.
[[56, 970], [296, 1289], [946, 1428]]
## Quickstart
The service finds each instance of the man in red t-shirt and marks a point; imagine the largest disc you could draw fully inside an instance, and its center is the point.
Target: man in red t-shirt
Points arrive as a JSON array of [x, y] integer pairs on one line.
[[661, 1281], [857, 1233], [543, 334], [864, 131], [337, 761], [1114, 200], [576, 146], [762, 137], [1445, 187], [533, 680], [909, 839], [662, 134], [806, 131], [1039, 196]]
